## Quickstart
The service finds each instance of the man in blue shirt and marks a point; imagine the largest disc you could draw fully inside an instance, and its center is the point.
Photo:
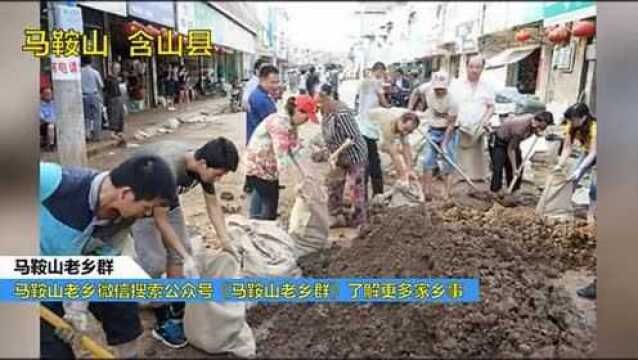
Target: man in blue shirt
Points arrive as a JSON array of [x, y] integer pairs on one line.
[[86, 212], [260, 102], [252, 84]]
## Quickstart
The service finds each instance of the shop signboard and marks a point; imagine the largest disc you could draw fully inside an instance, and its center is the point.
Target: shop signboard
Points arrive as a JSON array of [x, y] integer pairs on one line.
[[524, 12], [112, 7], [66, 18], [225, 31], [160, 12], [555, 12], [185, 16], [502, 15]]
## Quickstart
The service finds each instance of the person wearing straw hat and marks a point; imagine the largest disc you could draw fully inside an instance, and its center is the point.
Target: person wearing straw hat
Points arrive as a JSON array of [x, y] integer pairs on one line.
[[440, 115]]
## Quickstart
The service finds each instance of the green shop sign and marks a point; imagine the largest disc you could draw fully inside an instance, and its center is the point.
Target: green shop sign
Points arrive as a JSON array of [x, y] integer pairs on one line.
[[558, 8]]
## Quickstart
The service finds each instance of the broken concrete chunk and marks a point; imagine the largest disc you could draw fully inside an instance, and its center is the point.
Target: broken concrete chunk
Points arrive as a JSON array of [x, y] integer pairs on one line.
[[171, 123]]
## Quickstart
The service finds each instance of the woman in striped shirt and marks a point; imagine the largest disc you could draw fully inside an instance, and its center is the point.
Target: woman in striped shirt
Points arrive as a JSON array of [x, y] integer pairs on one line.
[[338, 125]]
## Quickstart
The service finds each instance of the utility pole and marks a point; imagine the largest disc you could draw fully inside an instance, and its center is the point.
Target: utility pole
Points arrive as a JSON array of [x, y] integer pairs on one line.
[[66, 79]]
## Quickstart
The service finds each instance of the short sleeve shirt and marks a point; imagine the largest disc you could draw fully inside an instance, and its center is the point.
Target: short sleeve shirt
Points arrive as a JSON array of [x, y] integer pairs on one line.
[[270, 147], [472, 100], [91, 80], [585, 143], [390, 136], [516, 129], [338, 126], [439, 109], [173, 153], [369, 91], [261, 105], [47, 112]]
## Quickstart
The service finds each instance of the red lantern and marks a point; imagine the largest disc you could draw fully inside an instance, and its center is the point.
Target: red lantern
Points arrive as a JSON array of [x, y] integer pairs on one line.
[[559, 35], [153, 31], [563, 34], [584, 29], [133, 26], [522, 36], [548, 30]]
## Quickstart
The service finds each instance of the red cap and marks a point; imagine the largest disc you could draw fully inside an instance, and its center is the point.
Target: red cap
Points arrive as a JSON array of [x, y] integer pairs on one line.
[[308, 105]]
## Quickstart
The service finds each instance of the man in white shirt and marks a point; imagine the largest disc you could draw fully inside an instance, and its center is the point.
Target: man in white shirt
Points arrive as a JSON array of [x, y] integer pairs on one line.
[[475, 99], [371, 95]]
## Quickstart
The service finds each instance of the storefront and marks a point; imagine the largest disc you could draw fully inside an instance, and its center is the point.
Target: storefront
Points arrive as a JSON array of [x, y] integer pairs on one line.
[[142, 73], [232, 41], [511, 44], [568, 74], [98, 16], [515, 67]]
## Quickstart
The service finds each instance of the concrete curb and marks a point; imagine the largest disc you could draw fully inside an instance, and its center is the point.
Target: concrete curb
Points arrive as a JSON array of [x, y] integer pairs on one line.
[[183, 119]]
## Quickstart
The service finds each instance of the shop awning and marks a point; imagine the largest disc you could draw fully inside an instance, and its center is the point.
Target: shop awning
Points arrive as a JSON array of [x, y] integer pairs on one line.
[[510, 56]]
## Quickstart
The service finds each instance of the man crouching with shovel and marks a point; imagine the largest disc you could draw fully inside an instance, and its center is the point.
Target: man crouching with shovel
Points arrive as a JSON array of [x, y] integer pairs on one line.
[[504, 146]]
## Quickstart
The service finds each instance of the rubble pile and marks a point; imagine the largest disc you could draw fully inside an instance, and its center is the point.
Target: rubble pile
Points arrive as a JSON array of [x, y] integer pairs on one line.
[[521, 314]]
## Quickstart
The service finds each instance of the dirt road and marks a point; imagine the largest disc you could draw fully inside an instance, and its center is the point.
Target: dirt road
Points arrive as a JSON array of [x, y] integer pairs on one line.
[[232, 126]]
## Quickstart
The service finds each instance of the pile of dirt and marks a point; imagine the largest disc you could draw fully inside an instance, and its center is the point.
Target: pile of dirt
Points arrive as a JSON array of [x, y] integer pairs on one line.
[[520, 312], [572, 244]]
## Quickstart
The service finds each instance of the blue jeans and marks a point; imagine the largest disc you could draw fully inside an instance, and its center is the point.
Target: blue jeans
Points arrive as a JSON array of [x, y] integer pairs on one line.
[[429, 159], [264, 199]]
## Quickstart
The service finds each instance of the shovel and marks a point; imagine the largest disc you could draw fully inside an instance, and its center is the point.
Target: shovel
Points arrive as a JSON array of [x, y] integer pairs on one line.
[[520, 169], [340, 149], [98, 351], [333, 158], [449, 161]]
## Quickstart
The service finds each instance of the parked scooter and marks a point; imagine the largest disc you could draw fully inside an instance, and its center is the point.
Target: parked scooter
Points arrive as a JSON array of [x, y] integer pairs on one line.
[[399, 97], [235, 96], [207, 87]]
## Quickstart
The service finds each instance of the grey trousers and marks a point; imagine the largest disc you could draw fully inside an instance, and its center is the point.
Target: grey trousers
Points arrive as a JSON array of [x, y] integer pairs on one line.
[[151, 253]]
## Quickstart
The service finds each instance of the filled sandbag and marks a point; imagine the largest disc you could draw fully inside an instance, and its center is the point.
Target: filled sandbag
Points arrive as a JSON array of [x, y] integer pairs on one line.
[[218, 328], [309, 223], [401, 194], [470, 135], [556, 200], [264, 248], [472, 155]]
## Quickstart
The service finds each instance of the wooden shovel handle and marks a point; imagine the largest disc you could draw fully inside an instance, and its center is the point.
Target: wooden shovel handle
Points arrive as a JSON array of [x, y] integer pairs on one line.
[[520, 168], [57, 322]]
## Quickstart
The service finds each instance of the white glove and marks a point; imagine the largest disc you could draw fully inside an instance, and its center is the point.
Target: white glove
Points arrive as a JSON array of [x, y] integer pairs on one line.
[[575, 175], [76, 313], [190, 268]]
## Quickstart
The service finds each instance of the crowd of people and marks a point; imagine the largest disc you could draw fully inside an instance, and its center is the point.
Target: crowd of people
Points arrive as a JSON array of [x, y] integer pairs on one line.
[[87, 212], [103, 105], [106, 102]]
